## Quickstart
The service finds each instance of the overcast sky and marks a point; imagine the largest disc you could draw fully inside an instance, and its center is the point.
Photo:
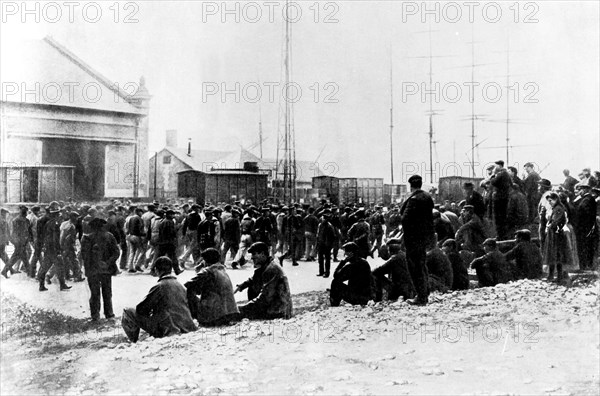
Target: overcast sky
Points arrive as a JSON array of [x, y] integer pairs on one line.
[[186, 48]]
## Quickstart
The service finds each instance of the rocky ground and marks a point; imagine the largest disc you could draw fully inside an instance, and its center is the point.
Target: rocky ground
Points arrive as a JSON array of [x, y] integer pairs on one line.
[[526, 337]]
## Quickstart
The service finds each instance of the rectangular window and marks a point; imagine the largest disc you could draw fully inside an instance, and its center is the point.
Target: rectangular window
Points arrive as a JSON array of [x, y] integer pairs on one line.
[[167, 159]]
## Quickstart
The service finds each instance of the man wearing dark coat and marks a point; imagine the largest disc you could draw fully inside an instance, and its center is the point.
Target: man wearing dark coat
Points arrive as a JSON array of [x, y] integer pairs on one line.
[[51, 248], [210, 292], [393, 275], [100, 252], [472, 233], [530, 187], [357, 272], [492, 268], [441, 276], [585, 227], [164, 311], [518, 211], [326, 237], [269, 294], [167, 240], [460, 273], [501, 183], [417, 224], [360, 234], [527, 257]]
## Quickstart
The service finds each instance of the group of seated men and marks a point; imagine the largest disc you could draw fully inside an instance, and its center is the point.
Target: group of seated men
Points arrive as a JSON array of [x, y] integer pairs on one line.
[[170, 307]]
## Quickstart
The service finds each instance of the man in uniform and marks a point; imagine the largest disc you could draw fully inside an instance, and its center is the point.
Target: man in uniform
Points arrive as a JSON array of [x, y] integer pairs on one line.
[[417, 223]]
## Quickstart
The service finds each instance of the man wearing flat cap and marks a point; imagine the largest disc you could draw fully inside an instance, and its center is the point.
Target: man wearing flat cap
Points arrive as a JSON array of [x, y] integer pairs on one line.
[[4, 238], [526, 255], [20, 237], [501, 183], [167, 240], [586, 231], [417, 224], [51, 248], [356, 271], [269, 294], [100, 252], [492, 268], [530, 187], [474, 198]]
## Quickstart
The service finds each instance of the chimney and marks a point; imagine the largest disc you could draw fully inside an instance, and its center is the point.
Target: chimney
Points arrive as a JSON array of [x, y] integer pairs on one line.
[[171, 138], [189, 153]]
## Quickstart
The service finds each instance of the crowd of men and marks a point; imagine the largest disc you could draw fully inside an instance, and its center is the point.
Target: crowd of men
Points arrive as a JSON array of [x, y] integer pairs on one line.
[[426, 247]]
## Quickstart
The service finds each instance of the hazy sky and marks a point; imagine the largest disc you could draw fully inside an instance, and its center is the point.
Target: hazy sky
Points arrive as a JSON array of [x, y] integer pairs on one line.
[[187, 49]]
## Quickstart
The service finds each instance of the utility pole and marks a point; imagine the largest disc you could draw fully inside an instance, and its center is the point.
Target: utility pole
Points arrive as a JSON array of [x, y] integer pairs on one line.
[[391, 117]]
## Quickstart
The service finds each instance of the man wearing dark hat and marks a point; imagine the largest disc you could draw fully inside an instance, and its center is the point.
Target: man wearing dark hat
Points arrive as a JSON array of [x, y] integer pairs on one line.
[[356, 271], [216, 304], [417, 224], [360, 234], [269, 294], [471, 234], [4, 238], [33, 218], [376, 222], [51, 248], [393, 276], [501, 183], [190, 232], [527, 257], [325, 238], [586, 231], [474, 198], [207, 231], [100, 252], [231, 235], [167, 240], [492, 268], [20, 237], [293, 227], [164, 311], [263, 227], [68, 237], [530, 187]]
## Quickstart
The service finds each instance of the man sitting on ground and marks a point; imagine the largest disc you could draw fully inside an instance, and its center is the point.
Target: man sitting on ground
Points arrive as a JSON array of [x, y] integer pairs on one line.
[[460, 273], [268, 290], [440, 271], [527, 256], [216, 305], [396, 268], [357, 272], [492, 267], [164, 311]]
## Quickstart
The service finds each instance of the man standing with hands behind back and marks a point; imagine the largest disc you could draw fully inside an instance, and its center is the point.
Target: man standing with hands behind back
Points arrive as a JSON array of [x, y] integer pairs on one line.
[[417, 224]]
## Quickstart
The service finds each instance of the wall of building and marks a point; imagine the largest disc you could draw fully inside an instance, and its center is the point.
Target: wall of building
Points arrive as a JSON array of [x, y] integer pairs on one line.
[[41, 134], [166, 178]]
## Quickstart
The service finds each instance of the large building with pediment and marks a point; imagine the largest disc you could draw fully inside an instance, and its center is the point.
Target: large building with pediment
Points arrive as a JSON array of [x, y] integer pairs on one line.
[[66, 130]]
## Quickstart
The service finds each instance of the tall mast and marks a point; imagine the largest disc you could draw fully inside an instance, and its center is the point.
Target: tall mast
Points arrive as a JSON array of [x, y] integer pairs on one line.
[[507, 96], [430, 109], [391, 117], [260, 131], [472, 102]]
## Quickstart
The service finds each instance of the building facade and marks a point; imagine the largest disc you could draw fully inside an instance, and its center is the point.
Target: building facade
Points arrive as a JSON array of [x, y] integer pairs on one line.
[[57, 111]]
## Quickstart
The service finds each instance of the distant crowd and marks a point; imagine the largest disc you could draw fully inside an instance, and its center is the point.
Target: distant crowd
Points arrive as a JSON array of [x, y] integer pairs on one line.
[[509, 228]]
